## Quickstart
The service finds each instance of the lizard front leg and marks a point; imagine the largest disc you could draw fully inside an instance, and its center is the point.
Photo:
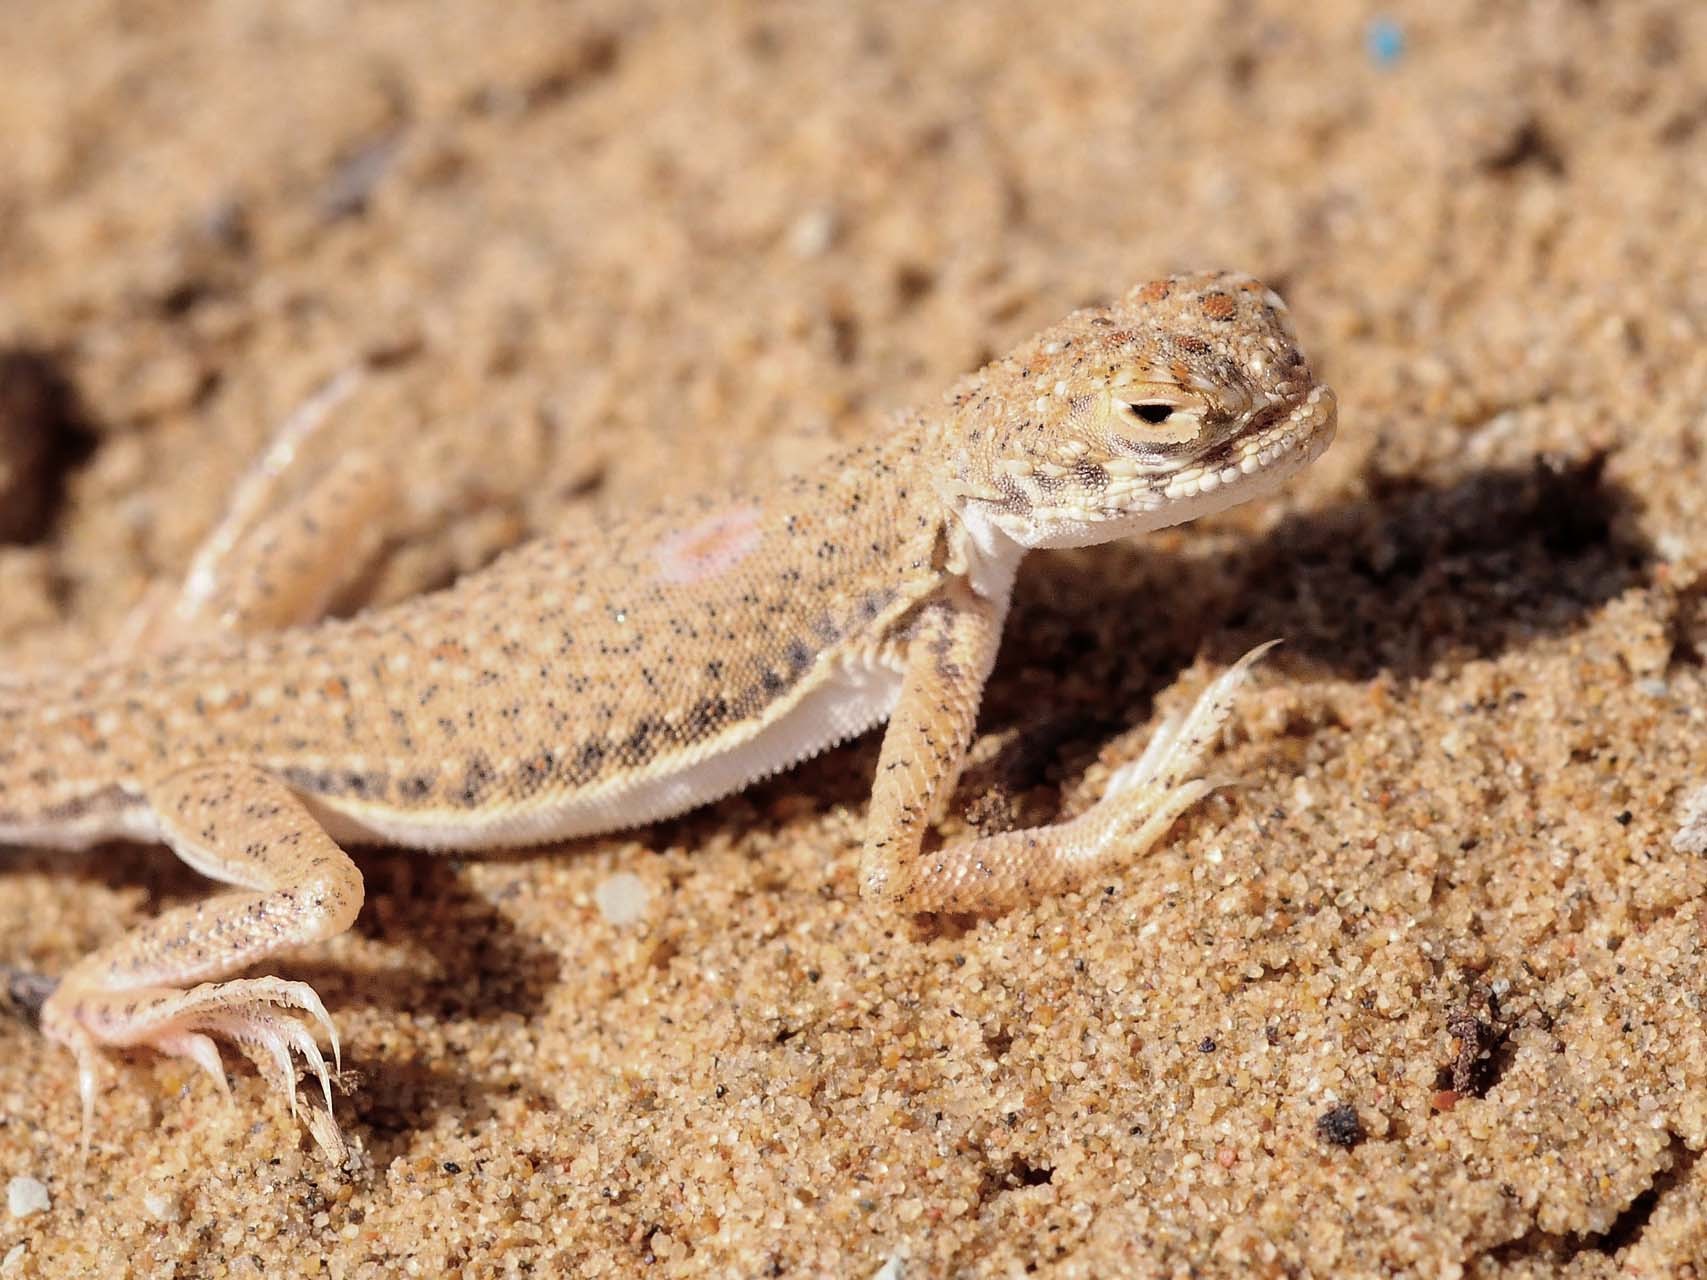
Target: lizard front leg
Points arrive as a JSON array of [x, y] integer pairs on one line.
[[949, 657], [950, 650], [240, 825]]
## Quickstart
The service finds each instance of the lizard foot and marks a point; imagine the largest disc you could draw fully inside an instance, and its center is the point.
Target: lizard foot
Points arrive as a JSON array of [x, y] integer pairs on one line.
[[258, 1013], [1180, 745], [1143, 799], [1141, 802]]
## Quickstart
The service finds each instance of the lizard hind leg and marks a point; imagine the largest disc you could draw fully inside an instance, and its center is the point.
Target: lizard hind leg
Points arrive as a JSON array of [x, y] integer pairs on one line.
[[291, 537], [166, 985]]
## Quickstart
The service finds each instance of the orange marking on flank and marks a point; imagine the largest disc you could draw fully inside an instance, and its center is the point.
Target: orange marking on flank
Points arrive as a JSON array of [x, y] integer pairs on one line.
[[710, 548]]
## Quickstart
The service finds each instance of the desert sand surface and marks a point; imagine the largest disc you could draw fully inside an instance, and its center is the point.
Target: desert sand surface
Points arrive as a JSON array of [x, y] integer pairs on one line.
[[1422, 995]]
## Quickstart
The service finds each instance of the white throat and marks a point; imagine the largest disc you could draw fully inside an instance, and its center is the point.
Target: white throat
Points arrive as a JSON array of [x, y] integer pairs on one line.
[[992, 555]]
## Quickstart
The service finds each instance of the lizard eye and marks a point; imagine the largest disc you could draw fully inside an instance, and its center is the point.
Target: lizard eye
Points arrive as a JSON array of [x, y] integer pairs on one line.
[[1156, 413]]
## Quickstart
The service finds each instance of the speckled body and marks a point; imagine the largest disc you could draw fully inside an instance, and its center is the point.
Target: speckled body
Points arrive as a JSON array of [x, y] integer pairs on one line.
[[582, 685], [525, 702]]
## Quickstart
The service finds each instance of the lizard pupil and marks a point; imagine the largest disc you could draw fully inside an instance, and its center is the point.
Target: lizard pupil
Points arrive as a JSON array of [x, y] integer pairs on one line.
[[1153, 413]]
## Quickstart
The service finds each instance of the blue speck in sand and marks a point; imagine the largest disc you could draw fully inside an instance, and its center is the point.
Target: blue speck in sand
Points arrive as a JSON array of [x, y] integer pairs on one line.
[[1384, 40]]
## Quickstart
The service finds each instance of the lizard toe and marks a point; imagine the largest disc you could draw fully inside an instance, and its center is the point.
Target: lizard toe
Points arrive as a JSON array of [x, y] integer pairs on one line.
[[202, 1051], [263, 1014]]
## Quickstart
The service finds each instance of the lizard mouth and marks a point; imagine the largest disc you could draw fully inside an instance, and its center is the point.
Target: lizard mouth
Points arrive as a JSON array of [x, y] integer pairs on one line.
[[1265, 451]]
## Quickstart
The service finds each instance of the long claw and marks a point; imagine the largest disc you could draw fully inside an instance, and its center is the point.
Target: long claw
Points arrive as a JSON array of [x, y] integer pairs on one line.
[[1141, 770], [303, 1043], [278, 1035], [299, 995], [256, 1031], [287, 1072], [312, 1005], [86, 1091], [1176, 745], [1211, 704], [280, 1050], [202, 1051]]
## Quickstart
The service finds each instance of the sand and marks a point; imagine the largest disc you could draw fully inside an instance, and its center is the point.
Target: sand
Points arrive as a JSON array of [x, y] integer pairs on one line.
[[1422, 996]]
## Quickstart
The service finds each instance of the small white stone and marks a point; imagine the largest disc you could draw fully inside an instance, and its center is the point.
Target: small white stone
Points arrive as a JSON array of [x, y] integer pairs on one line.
[[1691, 836], [162, 1207], [622, 898], [25, 1196], [14, 1259], [813, 233]]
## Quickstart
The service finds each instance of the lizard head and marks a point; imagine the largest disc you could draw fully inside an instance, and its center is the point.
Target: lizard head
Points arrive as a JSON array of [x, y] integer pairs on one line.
[[1186, 396]]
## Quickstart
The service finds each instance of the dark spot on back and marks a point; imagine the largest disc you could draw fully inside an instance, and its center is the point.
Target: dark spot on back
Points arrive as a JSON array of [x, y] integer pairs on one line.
[[537, 770], [707, 716], [639, 744], [589, 762], [415, 787], [477, 780]]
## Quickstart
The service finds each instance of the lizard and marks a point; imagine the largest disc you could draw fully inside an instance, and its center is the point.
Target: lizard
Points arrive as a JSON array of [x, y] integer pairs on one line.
[[588, 682]]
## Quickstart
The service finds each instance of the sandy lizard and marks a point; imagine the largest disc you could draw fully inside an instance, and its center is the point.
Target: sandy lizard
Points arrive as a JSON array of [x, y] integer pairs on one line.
[[581, 685]]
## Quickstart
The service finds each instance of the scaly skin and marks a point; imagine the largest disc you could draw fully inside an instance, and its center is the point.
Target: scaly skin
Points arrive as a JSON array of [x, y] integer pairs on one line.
[[583, 685]]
